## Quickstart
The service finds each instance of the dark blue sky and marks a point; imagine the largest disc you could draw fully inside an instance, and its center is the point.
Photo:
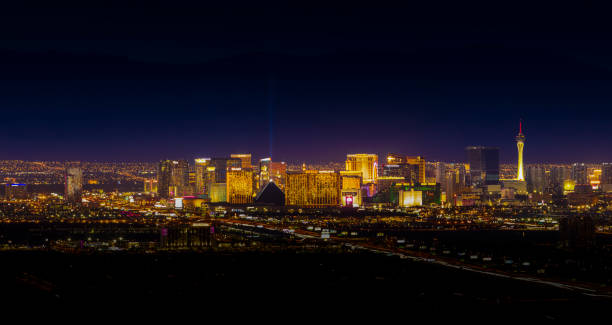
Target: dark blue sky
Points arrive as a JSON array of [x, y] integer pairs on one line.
[[99, 81]]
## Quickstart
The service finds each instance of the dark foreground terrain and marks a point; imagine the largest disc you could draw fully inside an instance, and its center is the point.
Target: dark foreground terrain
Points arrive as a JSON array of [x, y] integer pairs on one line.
[[304, 284]]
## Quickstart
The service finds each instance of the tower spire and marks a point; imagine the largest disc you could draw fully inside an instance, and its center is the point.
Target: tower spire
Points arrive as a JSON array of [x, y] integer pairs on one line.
[[520, 143]]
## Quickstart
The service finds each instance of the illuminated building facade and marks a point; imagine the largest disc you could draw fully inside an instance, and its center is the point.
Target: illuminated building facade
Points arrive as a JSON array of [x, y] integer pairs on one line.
[[173, 178], [410, 194], [313, 188], [385, 182], [420, 163], [412, 168], [200, 174], [239, 185], [520, 144], [73, 184], [367, 164], [410, 198], [218, 192], [150, 186], [393, 159], [455, 181], [179, 178], [209, 178], [519, 187], [164, 171], [350, 189], [278, 173], [245, 159], [265, 169]]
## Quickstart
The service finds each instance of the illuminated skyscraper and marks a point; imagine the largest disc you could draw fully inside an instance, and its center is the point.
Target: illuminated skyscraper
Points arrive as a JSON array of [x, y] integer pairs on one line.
[[313, 188], [179, 178], [270, 171], [265, 168], [367, 164], [150, 186], [200, 169], [245, 158], [278, 173], [173, 178], [420, 162], [520, 143], [239, 185], [73, 184], [412, 168], [164, 172]]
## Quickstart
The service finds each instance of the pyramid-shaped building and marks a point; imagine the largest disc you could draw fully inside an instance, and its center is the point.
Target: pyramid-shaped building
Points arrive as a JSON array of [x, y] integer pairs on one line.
[[270, 195]]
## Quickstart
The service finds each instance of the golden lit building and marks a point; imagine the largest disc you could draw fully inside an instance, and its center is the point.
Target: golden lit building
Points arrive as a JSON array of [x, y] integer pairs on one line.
[[150, 186], [239, 185], [568, 186], [351, 189], [419, 161], [218, 192], [365, 163], [410, 198], [245, 158], [393, 158], [313, 188]]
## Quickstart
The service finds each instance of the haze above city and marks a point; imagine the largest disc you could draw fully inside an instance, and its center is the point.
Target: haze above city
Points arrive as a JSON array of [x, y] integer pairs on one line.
[[111, 82]]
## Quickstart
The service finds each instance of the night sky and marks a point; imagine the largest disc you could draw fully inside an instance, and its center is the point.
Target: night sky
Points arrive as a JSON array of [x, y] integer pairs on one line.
[[99, 81]]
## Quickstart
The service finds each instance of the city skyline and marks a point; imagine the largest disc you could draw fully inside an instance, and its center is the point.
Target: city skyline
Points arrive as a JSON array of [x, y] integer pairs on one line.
[[387, 159]]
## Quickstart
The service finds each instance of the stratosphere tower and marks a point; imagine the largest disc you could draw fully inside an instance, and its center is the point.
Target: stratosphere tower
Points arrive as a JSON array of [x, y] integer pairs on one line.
[[520, 143]]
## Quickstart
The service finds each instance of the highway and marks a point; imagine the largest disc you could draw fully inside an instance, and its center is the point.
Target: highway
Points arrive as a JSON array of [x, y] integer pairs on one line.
[[404, 254]]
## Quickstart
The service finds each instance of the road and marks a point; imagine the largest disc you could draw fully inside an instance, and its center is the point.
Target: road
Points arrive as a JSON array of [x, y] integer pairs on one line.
[[404, 254]]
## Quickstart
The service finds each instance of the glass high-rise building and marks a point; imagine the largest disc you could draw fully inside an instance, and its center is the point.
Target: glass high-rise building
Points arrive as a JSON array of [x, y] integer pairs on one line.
[[179, 179], [484, 165], [173, 178], [164, 172], [222, 164], [200, 174]]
